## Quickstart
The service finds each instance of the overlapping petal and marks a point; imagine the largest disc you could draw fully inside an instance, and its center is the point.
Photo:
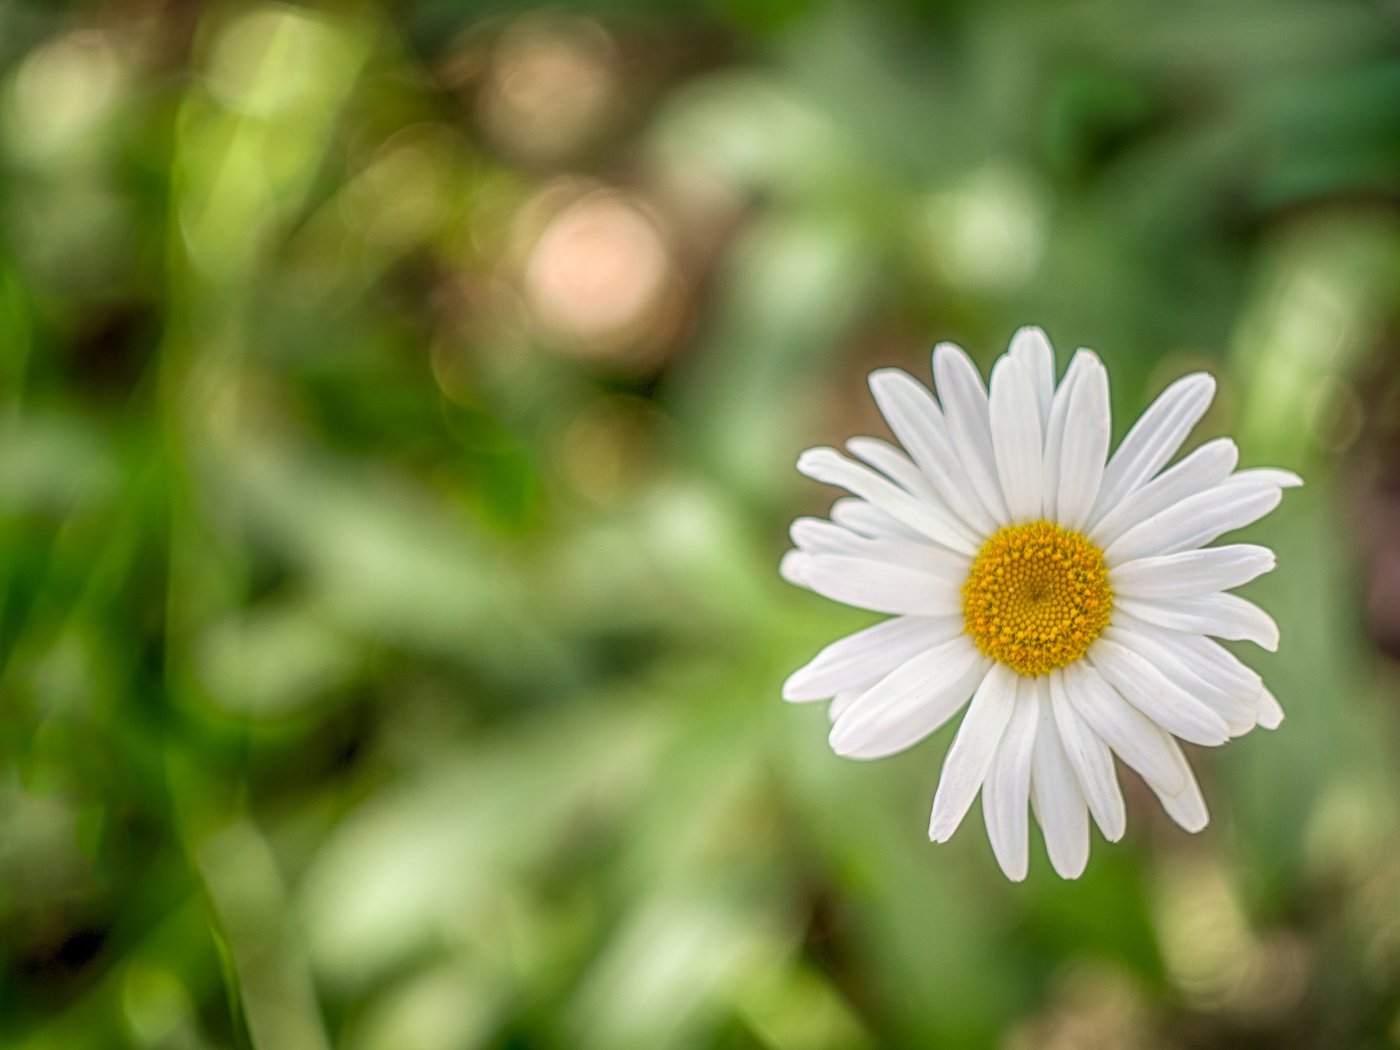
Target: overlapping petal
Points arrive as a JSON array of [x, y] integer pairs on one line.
[[973, 750], [1204, 468], [1055, 795], [869, 520], [868, 655], [1196, 520], [1234, 707], [881, 586], [828, 465], [1191, 573], [917, 421], [1225, 616], [1084, 445], [1032, 349], [1017, 438], [910, 702], [1092, 761], [1156, 437], [968, 414], [1007, 788]]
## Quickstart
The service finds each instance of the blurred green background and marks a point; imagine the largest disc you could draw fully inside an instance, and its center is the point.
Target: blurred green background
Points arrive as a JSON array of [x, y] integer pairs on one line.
[[400, 405]]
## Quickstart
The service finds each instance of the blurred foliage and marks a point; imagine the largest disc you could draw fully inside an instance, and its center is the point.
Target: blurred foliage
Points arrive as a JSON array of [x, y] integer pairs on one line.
[[399, 410]]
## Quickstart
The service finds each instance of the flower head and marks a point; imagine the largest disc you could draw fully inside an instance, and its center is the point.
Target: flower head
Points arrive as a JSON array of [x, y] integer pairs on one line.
[[1069, 593]]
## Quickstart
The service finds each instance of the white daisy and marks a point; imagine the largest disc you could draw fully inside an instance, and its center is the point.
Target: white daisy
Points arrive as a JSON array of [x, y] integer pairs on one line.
[[1069, 593]]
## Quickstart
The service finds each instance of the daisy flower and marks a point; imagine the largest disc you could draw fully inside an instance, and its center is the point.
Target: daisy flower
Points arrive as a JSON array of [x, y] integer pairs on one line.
[[1067, 592]]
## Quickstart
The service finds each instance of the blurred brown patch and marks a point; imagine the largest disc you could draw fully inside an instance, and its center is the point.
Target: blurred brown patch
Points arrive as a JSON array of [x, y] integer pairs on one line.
[[1373, 480]]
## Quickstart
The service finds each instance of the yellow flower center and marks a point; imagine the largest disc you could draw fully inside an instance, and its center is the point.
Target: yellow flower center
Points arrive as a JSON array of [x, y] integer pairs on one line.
[[1036, 597]]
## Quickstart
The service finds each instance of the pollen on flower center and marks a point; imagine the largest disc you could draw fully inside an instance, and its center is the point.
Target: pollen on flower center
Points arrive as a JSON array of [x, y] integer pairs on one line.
[[1036, 597]]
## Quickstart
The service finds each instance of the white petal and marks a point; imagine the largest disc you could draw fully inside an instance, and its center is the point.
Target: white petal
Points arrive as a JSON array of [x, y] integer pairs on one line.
[[965, 408], [890, 462], [1195, 521], [1204, 468], [1122, 726], [1220, 615], [1175, 664], [841, 701], [790, 568], [1187, 807], [1189, 573], [1032, 348], [880, 586], [867, 656], [1016, 438], [1084, 446], [916, 420], [1284, 479], [829, 466], [1092, 762], [1007, 788], [1059, 804], [817, 537], [1205, 656], [1209, 658], [1151, 692], [1155, 438], [853, 513], [972, 752], [1270, 711], [910, 702], [1079, 366], [905, 473]]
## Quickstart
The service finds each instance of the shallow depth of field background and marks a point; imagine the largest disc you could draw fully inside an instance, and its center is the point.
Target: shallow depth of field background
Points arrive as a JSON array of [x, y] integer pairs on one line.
[[399, 413]]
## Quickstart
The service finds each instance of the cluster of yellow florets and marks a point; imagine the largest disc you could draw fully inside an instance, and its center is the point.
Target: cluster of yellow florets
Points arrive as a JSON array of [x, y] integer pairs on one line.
[[1036, 597]]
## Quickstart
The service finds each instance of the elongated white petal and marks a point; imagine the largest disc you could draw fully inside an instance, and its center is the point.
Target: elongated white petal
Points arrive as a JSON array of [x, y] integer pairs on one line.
[[817, 537], [1055, 795], [910, 702], [1284, 479], [972, 752], [1188, 806], [867, 656], [1155, 438], [1237, 711], [1220, 615], [1085, 446], [968, 415], [1189, 573], [829, 466], [1270, 711], [1195, 521], [905, 473], [1130, 733], [891, 462], [1204, 468], [851, 512], [1216, 675], [880, 586], [1031, 347], [1007, 787], [1092, 762], [1079, 366], [1143, 685], [1208, 657], [1017, 438], [916, 420]]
